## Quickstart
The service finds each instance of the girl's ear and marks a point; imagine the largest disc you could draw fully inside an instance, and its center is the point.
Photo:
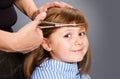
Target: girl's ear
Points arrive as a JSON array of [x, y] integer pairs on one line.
[[45, 44]]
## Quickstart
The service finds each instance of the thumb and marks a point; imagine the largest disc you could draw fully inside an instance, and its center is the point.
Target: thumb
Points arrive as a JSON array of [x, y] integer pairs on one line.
[[41, 16], [35, 23]]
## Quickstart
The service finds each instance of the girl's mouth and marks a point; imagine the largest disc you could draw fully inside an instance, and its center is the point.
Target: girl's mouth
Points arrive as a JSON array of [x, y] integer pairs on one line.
[[77, 50]]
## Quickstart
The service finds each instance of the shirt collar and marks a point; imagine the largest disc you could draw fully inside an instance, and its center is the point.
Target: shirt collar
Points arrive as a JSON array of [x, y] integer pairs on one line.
[[61, 67]]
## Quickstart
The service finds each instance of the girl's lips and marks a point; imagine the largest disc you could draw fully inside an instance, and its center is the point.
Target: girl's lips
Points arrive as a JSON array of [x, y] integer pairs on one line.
[[78, 50]]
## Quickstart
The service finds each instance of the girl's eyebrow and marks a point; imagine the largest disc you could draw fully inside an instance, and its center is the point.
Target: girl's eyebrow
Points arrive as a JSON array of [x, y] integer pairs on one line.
[[82, 28]]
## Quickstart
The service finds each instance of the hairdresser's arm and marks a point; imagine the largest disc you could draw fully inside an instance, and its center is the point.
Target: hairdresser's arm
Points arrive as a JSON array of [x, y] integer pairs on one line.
[[25, 40], [29, 8]]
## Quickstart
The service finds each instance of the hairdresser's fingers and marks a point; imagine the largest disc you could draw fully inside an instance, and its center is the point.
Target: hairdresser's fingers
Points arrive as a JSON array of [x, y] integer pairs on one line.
[[29, 37], [58, 4], [53, 4], [65, 5], [27, 51], [43, 9]]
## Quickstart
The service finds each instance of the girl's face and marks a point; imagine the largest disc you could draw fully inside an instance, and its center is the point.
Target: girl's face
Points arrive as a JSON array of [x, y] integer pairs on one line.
[[67, 44]]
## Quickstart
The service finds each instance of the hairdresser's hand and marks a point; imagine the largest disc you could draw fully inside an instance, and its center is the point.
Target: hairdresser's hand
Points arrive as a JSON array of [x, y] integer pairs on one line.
[[28, 38], [48, 5]]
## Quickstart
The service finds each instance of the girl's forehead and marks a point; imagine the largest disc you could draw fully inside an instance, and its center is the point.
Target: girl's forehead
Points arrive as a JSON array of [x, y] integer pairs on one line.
[[75, 28]]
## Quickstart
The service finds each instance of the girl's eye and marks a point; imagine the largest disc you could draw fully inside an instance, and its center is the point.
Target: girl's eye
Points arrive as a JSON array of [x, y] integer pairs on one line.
[[82, 33], [67, 36]]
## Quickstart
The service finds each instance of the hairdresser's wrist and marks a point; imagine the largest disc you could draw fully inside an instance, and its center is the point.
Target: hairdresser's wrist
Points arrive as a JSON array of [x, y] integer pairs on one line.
[[8, 42], [13, 44], [19, 43]]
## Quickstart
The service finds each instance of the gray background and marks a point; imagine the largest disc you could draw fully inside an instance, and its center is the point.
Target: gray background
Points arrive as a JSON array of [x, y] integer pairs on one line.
[[103, 18]]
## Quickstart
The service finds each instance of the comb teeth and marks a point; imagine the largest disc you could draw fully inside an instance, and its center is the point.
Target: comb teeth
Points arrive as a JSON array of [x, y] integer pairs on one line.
[[43, 27], [46, 24]]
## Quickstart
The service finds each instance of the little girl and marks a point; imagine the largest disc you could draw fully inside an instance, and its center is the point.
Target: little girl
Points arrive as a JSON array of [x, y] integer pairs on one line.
[[64, 52]]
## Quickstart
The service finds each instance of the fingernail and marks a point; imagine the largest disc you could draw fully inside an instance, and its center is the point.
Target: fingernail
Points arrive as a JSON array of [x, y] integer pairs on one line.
[[43, 14]]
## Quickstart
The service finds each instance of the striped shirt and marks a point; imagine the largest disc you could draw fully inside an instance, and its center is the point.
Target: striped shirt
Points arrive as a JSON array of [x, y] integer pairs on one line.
[[52, 69]]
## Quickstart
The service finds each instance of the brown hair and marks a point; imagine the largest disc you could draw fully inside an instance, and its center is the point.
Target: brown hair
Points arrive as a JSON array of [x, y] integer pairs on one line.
[[59, 15]]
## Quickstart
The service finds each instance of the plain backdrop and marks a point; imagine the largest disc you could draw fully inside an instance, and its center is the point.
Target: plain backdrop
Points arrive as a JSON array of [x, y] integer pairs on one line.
[[104, 33]]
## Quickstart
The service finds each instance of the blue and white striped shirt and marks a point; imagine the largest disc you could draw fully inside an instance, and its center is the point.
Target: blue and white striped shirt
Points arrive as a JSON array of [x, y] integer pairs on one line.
[[52, 69]]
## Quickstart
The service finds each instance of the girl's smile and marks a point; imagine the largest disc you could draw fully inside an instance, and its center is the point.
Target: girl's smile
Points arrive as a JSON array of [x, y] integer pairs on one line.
[[77, 50]]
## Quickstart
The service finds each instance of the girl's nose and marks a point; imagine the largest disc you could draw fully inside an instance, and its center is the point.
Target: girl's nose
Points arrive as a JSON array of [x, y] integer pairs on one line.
[[78, 41]]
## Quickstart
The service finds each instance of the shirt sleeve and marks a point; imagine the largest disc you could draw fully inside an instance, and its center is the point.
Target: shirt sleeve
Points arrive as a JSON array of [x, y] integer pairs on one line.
[[41, 73], [86, 76], [38, 74]]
